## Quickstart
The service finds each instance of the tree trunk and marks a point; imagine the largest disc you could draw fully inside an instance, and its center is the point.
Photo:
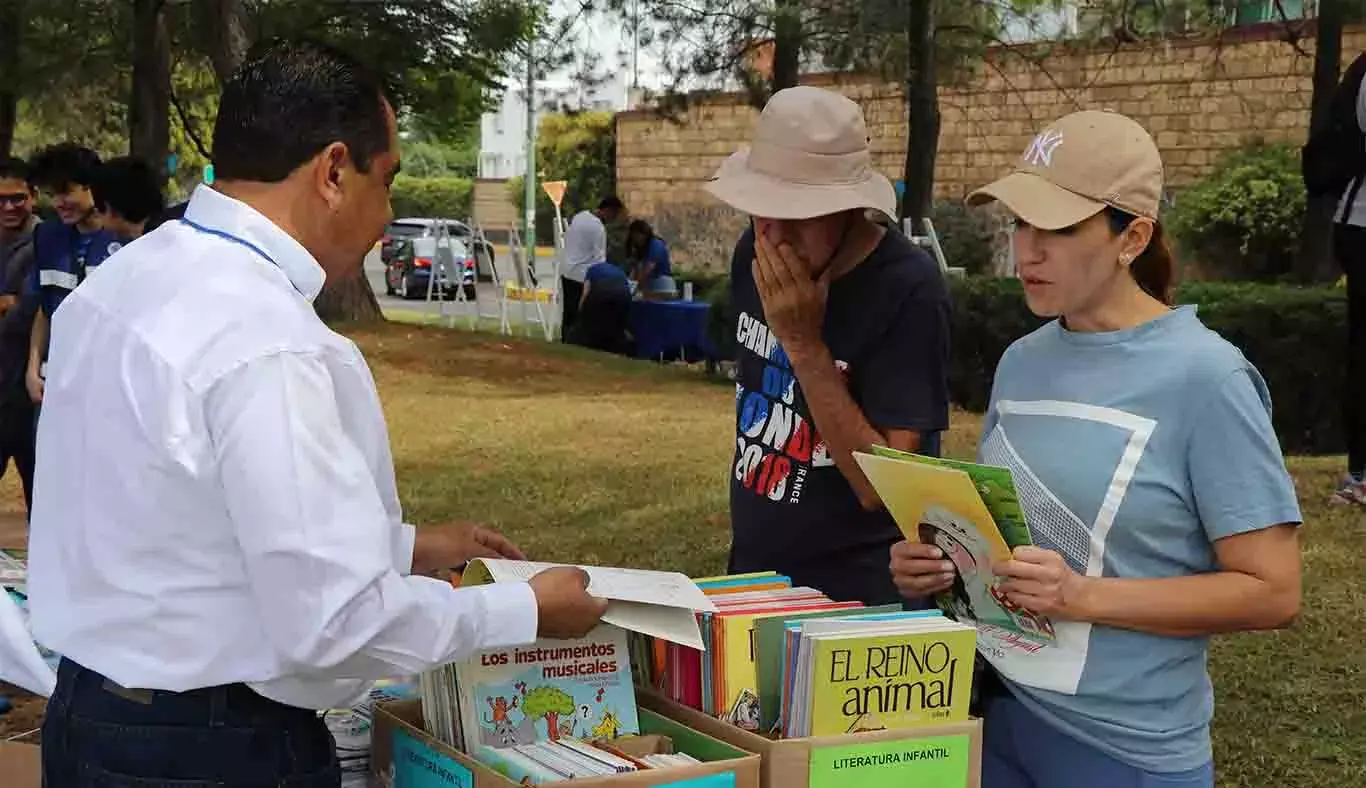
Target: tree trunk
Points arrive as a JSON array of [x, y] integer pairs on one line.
[[11, 25], [787, 44], [1314, 263], [227, 37], [922, 108], [149, 111], [349, 301]]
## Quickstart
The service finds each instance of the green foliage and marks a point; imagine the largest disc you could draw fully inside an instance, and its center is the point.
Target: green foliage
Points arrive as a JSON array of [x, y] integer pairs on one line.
[[965, 234], [445, 197], [1243, 220], [1295, 336], [433, 159], [579, 148]]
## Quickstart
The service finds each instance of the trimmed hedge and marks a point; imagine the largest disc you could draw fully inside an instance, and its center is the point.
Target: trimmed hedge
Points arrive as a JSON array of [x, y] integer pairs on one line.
[[1295, 336], [445, 197]]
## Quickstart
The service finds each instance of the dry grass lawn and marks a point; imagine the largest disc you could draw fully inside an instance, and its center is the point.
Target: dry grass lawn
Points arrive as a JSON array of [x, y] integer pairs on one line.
[[599, 460]]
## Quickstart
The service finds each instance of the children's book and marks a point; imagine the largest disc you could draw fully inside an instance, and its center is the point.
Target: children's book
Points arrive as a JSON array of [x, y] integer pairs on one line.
[[549, 690], [881, 676], [973, 514]]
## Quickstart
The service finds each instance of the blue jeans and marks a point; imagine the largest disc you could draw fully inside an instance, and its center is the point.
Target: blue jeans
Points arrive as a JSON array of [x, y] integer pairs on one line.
[[1020, 750], [97, 735]]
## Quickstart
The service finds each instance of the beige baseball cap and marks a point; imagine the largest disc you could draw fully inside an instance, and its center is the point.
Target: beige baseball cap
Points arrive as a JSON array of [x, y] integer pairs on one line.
[[1076, 167]]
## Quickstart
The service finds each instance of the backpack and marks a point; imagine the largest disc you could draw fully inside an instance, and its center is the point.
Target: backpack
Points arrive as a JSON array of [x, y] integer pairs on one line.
[[1335, 155]]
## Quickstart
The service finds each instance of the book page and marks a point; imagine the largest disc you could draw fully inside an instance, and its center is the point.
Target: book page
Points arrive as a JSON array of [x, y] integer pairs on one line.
[[670, 589]]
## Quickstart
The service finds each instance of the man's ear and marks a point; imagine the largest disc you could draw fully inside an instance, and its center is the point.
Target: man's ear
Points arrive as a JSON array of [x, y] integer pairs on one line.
[[330, 172]]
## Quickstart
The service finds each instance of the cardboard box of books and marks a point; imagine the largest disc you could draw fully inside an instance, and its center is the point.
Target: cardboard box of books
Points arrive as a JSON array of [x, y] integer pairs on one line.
[[945, 755], [827, 691], [560, 710], [824, 690], [404, 755]]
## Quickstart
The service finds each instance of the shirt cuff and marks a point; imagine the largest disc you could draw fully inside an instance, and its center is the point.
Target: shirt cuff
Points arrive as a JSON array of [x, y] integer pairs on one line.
[[404, 541], [511, 616]]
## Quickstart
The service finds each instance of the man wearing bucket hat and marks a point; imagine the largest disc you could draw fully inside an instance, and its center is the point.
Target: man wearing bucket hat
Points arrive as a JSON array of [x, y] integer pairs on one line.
[[842, 335], [1150, 476]]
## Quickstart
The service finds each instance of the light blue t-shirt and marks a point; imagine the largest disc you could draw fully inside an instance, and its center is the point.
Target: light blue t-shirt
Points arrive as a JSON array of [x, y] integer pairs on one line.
[[1133, 451]]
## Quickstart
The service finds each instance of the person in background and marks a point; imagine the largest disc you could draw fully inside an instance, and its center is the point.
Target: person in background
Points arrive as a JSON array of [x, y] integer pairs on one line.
[[585, 245], [650, 266], [1349, 248], [842, 330], [127, 195], [603, 321], [18, 303], [1151, 478], [218, 551]]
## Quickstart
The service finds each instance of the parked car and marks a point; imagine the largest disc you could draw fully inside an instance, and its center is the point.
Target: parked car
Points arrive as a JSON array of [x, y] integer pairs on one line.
[[408, 273], [401, 229]]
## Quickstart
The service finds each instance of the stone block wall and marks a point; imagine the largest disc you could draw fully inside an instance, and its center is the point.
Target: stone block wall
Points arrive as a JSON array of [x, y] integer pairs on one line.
[[1197, 98]]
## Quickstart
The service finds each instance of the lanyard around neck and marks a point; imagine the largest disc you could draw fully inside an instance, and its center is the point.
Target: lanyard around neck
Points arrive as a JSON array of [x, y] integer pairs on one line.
[[230, 237]]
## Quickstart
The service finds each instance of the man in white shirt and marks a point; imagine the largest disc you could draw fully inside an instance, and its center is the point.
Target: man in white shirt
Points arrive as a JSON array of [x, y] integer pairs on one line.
[[217, 549], [585, 245]]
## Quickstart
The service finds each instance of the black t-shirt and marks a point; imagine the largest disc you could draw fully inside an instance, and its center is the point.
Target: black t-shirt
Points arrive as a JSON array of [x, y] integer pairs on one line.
[[792, 510]]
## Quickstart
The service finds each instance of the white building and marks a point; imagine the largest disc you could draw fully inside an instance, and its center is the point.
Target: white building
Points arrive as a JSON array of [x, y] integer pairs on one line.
[[502, 134]]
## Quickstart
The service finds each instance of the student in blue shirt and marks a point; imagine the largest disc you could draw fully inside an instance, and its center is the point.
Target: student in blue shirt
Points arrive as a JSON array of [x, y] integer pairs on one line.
[[651, 267], [604, 310], [1154, 485]]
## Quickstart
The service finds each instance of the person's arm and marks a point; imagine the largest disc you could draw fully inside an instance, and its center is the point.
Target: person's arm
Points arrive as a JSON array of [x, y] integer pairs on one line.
[[1245, 500], [37, 340], [323, 557], [915, 357]]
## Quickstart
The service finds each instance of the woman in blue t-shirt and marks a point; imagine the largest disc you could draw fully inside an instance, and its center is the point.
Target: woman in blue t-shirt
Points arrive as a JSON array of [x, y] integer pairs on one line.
[[1155, 489], [650, 266]]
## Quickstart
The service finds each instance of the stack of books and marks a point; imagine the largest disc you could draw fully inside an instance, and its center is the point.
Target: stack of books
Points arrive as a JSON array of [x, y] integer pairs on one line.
[[881, 671], [549, 690], [789, 661], [570, 758]]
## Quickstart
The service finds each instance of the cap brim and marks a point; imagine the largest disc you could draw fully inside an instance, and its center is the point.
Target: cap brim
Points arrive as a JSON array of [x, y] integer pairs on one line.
[[1038, 202], [758, 194]]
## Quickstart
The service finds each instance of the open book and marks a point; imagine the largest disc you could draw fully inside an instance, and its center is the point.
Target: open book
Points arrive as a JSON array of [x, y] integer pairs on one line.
[[659, 604], [973, 514]]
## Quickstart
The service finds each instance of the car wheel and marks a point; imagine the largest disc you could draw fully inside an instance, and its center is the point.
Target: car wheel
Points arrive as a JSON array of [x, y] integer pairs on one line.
[[470, 292]]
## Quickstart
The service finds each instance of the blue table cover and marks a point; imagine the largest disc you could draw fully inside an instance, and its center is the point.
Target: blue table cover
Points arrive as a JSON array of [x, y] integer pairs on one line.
[[671, 330]]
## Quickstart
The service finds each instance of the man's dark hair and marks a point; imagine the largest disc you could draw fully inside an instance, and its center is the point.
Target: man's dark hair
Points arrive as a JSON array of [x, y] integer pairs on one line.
[[14, 168], [129, 187], [62, 166], [612, 203], [289, 101]]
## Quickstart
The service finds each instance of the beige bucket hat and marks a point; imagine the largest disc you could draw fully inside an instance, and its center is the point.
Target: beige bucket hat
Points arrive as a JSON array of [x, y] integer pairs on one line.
[[809, 157], [1076, 167]]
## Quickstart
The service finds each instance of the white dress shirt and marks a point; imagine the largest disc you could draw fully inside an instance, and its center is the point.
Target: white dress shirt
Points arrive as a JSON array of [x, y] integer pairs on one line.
[[585, 245], [214, 495]]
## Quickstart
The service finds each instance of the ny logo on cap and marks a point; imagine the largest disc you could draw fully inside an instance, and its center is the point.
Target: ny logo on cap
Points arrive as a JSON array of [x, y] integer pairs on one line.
[[1040, 151]]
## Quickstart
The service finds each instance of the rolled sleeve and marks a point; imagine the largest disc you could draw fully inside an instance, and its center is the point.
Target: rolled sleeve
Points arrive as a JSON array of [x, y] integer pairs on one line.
[[321, 554]]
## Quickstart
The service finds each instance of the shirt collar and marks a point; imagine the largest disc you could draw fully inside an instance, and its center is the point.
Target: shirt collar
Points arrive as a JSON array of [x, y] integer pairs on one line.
[[214, 210]]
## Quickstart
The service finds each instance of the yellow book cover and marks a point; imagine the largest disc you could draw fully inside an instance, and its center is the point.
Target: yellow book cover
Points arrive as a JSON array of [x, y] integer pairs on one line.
[[942, 506], [891, 681]]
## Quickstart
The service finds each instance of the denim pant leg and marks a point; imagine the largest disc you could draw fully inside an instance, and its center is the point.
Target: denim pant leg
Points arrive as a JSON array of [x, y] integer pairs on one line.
[[98, 736], [1020, 750]]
